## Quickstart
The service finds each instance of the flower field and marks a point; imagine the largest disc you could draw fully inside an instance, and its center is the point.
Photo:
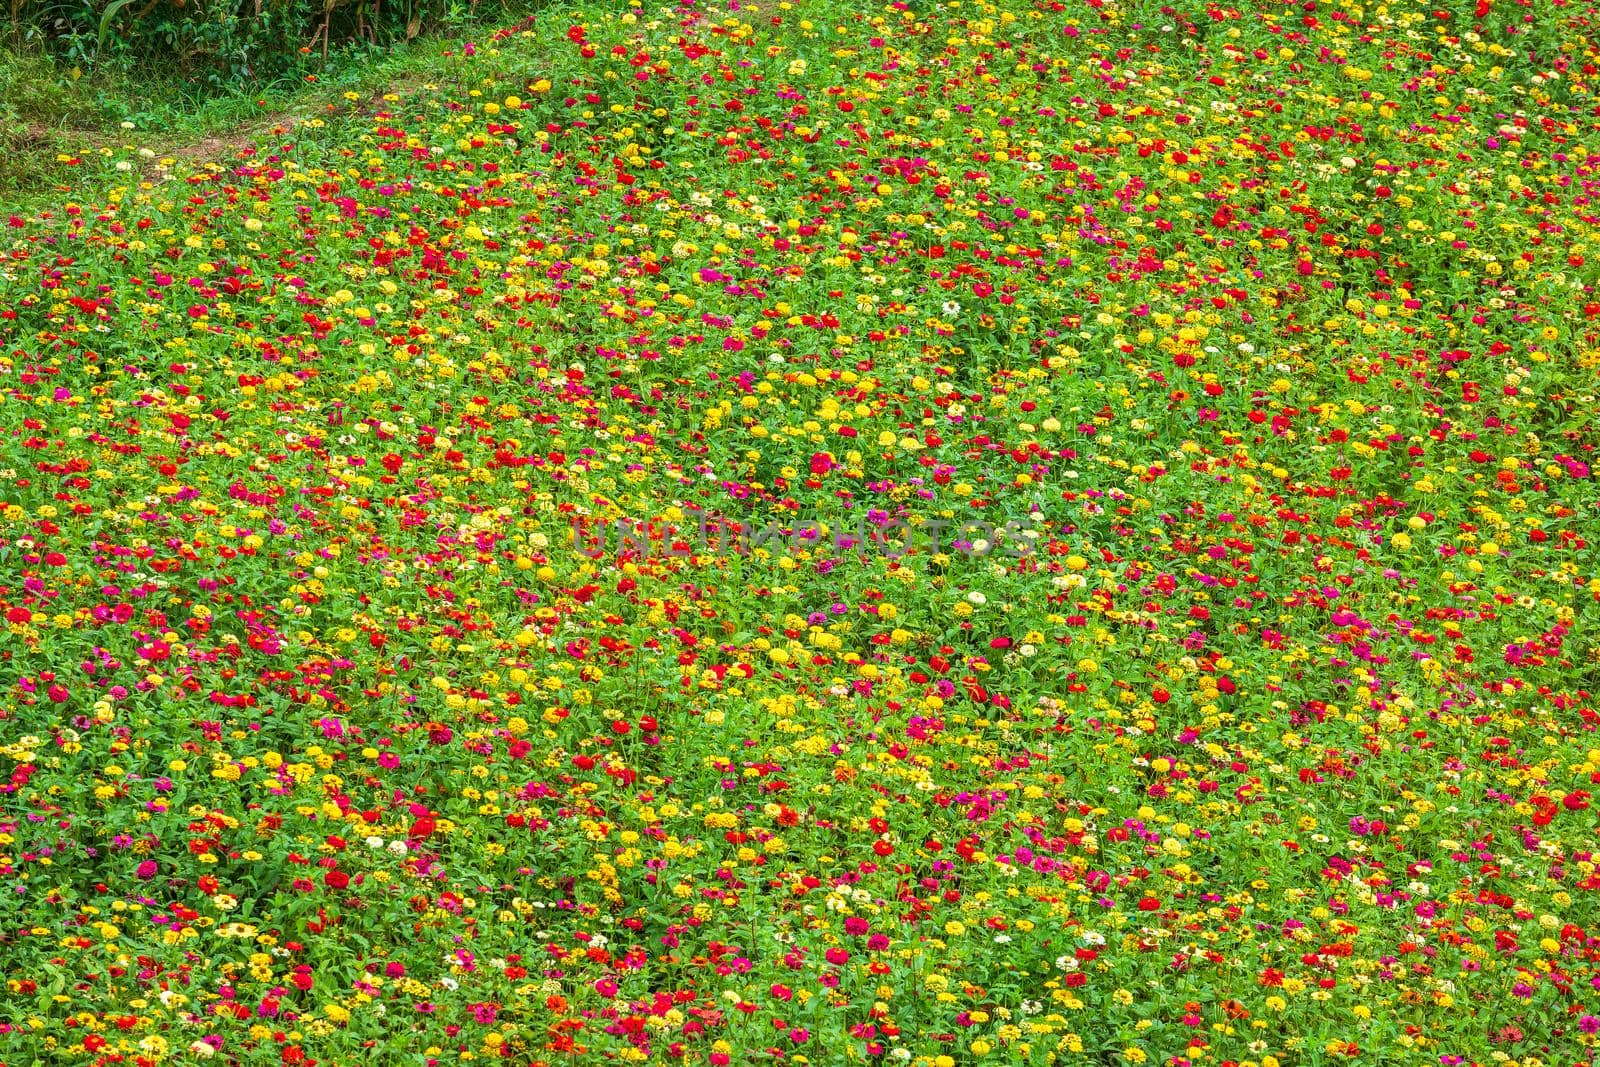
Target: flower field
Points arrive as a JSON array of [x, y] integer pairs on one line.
[[1197, 663]]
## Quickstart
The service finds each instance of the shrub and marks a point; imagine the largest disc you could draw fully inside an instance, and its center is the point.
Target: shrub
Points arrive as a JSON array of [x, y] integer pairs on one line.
[[225, 42]]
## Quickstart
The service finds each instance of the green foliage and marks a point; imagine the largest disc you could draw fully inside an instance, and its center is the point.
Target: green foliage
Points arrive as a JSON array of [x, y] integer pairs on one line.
[[1198, 667], [227, 43], [35, 99]]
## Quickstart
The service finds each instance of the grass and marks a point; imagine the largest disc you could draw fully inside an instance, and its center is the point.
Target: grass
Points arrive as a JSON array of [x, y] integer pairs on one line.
[[55, 121]]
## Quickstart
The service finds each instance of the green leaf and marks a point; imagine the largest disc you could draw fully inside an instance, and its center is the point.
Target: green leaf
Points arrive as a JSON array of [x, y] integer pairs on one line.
[[105, 23]]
